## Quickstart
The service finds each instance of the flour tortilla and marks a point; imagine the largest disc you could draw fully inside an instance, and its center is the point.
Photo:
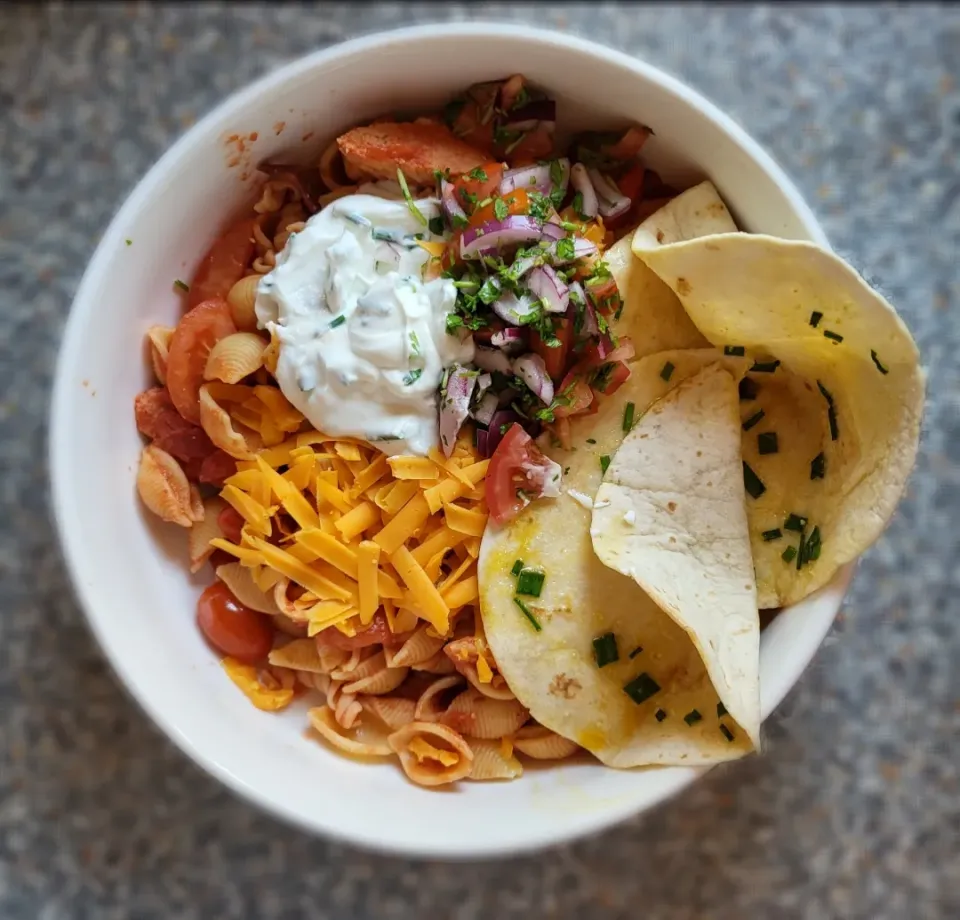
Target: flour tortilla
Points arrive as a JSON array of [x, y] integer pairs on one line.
[[671, 515], [759, 292]]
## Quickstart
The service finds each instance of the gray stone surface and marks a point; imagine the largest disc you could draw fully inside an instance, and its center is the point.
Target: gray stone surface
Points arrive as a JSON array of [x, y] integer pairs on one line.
[[854, 810]]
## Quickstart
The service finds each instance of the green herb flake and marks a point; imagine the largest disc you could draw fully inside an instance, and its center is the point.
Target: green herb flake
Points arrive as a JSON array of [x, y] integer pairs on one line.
[[770, 535], [788, 555], [721, 710], [641, 688], [832, 419], [692, 717], [500, 209], [530, 582], [479, 174], [638, 650], [528, 613], [436, 226], [181, 286], [605, 649], [517, 568], [814, 545], [566, 251], [827, 395], [414, 210], [880, 365], [815, 318], [660, 715], [767, 443], [591, 440], [747, 388], [833, 336], [412, 377], [753, 420], [726, 732], [801, 552], [556, 172], [734, 351], [628, 411], [666, 372], [129, 242], [818, 466], [337, 321], [765, 367], [604, 463], [752, 482], [454, 323], [795, 522], [578, 206]]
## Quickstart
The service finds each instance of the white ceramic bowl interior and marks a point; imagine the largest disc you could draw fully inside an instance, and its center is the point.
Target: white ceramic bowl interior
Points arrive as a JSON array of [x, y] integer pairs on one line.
[[130, 572]]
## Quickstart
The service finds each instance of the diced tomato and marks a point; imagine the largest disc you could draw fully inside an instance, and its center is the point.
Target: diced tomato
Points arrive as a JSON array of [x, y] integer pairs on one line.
[[631, 182], [477, 185], [485, 334], [224, 264], [517, 202], [158, 419], [216, 467], [611, 381], [535, 145], [233, 628], [577, 394], [196, 333], [475, 121], [554, 358], [230, 523], [510, 90], [604, 295], [517, 463]]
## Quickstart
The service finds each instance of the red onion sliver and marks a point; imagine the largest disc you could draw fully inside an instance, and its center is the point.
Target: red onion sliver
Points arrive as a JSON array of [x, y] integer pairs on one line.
[[529, 178], [552, 232], [448, 201], [513, 309], [546, 284], [486, 409], [581, 183], [509, 339], [491, 359], [610, 202], [581, 248], [533, 372], [455, 405], [485, 240]]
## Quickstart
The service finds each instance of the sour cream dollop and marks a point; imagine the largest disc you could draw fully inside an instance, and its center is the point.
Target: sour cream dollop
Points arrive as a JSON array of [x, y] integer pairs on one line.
[[363, 338]]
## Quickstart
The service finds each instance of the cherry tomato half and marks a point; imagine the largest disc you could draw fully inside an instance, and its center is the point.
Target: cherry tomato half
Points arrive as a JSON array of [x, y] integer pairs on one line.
[[232, 628], [224, 264], [517, 463]]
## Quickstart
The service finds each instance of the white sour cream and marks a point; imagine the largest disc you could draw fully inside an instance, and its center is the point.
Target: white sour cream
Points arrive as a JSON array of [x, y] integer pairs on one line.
[[363, 338]]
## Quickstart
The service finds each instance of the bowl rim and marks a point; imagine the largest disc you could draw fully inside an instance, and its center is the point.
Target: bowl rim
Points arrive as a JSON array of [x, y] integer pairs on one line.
[[63, 394]]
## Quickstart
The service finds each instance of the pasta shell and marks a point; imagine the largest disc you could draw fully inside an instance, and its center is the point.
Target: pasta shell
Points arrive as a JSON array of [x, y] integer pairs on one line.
[[239, 579], [164, 489], [158, 339], [324, 723], [202, 532], [385, 680], [420, 647], [299, 655], [439, 664], [246, 677], [542, 744], [479, 717], [271, 354], [494, 760], [277, 678], [289, 627], [234, 357], [287, 606], [431, 754], [393, 711], [356, 667], [465, 654], [242, 298], [218, 425], [433, 702], [345, 706]]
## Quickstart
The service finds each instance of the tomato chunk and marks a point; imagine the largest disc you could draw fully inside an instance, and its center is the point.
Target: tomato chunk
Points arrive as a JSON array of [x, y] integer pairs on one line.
[[555, 357], [224, 264], [577, 394], [233, 628], [477, 185], [518, 464]]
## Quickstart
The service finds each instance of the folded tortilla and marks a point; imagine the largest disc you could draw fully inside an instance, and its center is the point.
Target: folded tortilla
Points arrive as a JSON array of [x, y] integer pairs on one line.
[[844, 402]]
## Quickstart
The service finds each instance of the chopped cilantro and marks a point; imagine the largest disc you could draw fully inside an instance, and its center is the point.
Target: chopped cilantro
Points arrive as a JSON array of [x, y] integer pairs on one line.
[[578, 206], [413, 376], [479, 174], [415, 343], [500, 209], [337, 321], [566, 250]]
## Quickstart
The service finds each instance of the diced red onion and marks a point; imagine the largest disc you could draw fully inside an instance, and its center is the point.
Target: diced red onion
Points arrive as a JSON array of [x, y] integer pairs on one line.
[[521, 266], [610, 202], [552, 232], [486, 408], [502, 419], [509, 339], [491, 359], [512, 309], [484, 382], [455, 405], [529, 178], [533, 372], [494, 234], [448, 201], [507, 395], [547, 285], [526, 117], [590, 326], [581, 183]]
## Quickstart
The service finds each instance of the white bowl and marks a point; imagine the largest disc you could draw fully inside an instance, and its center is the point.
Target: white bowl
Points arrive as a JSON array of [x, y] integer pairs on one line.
[[130, 573]]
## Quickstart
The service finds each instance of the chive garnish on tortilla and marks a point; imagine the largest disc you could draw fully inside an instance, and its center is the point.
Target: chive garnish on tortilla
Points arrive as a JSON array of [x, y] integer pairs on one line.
[[752, 482], [530, 582], [528, 613], [770, 535], [628, 411], [414, 210], [747, 388], [604, 463], [721, 710], [765, 367], [789, 554], [753, 420], [517, 568], [635, 652], [833, 336], [591, 440], [660, 715], [726, 732], [735, 351], [641, 688], [880, 365], [796, 523], [667, 371], [827, 395], [692, 717], [818, 466], [605, 649], [767, 443], [801, 552], [815, 318], [832, 418]]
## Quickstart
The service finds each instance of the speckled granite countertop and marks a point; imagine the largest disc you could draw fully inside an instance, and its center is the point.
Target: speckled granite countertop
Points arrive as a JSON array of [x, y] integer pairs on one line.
[[853, 812]]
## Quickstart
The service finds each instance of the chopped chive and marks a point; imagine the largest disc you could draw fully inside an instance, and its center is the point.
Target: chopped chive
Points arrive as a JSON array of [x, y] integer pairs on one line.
[[414, 210], [765, 367], [818, 466], [827, 395], [628, 416], [721, 710], [748, 389], [879, 363], [641, 688], [767, 443], [337, 321], [411, 378], [604, 463], [770, 535], [666, 371], [528, 613], [181, 285], [605, 649], [813, 546], [517, 568], [827, 334], [815, 318], [752, 482], [436, 226], [635, 652], [591, 440], [726, 732], [129, 242], [736, 351], [788, 555], [530, 582], [802, 552], [692, 717], [832, 418], [796, 523], [660, 715], [753, 420]]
